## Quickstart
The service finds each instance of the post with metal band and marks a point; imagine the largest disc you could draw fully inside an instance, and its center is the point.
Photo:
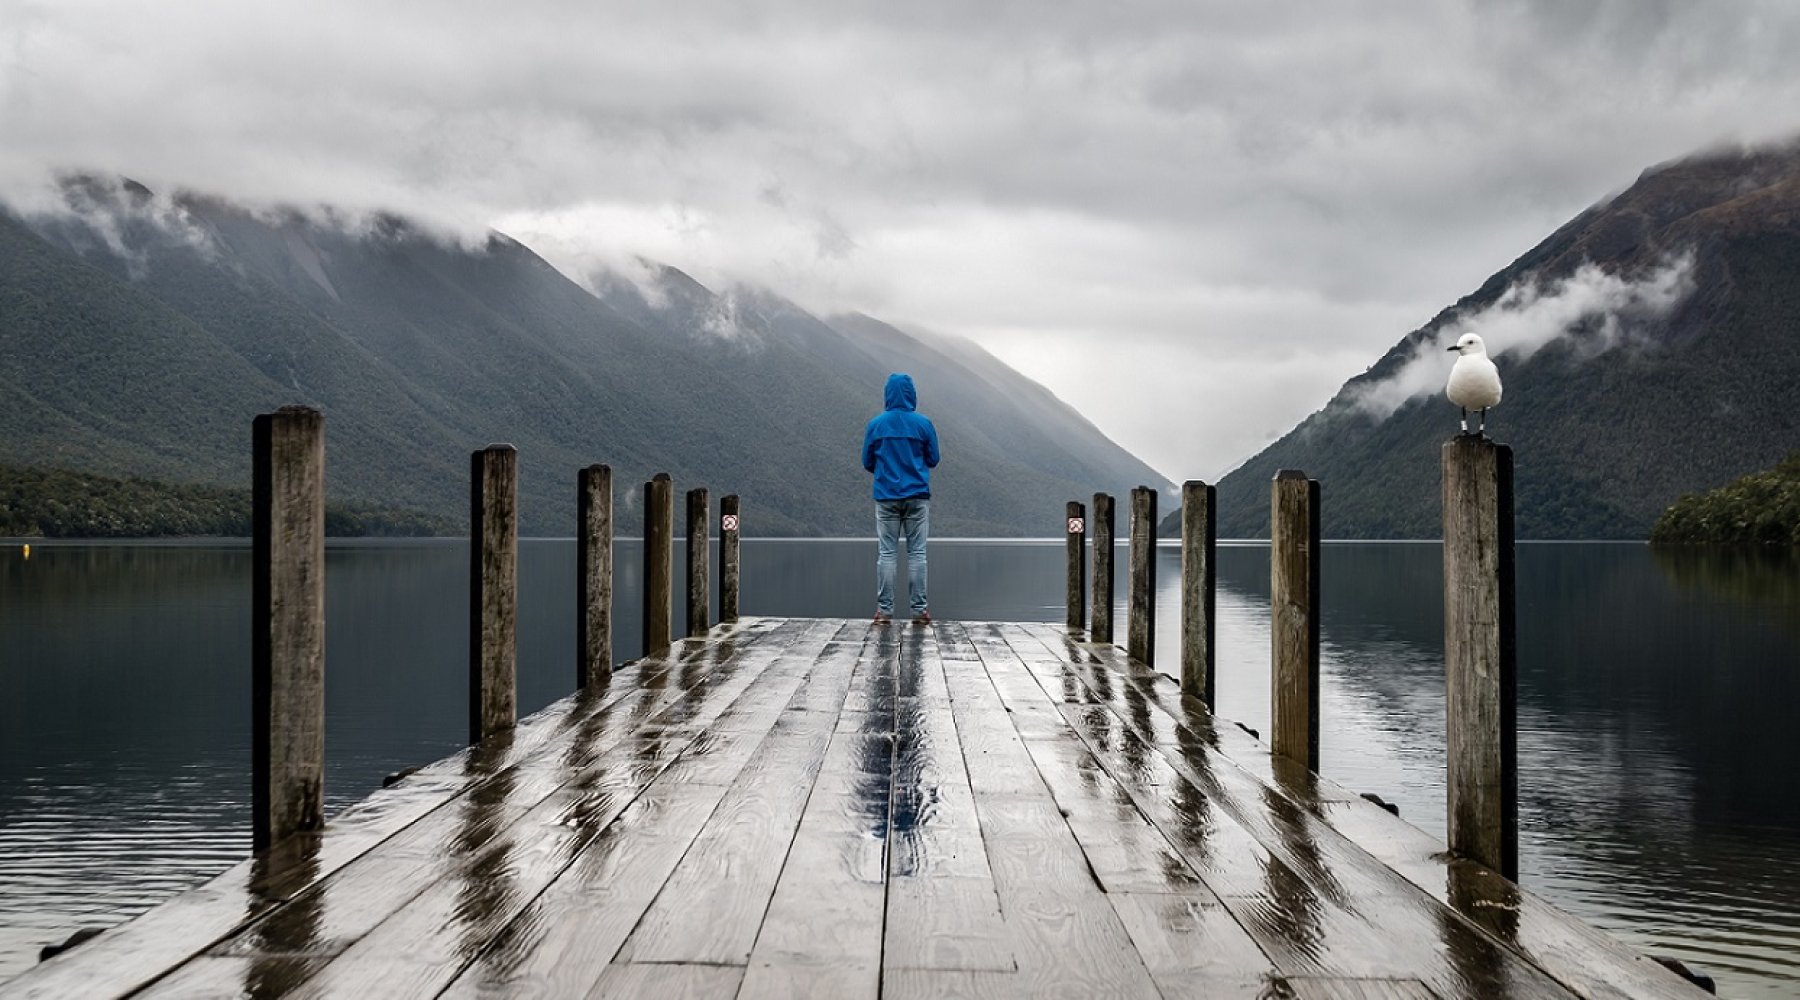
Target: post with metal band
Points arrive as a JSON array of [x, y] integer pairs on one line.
[[699, 588], [1101, 616], [659, 557], [493, 590], [1077, 546], [594, 576], [287, 624], [1294, 616], [1199, 539], [1140, 635], [1480, 658], [728, 558]]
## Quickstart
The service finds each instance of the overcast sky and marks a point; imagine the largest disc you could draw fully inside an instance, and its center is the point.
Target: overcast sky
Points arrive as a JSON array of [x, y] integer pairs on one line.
[[1192, 220]]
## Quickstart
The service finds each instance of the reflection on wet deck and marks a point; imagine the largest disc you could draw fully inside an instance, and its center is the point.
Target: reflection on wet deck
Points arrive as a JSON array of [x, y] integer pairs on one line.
[[815, 807]]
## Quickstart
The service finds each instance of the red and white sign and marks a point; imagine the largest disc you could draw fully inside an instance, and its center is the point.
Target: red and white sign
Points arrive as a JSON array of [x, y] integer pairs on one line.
[[728, 522], [1076, 526]]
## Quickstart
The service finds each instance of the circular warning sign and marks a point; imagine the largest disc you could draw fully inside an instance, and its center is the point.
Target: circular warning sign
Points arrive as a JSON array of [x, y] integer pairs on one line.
[[728, 522], [1075, 526]]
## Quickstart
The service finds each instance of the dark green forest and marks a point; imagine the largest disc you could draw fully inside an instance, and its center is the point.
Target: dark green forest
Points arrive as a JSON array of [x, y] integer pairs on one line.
[[56, 503], [1762, 508]]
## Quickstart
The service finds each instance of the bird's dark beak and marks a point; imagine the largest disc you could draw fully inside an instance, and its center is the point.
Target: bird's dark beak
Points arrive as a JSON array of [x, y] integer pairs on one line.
[[1452, 347]]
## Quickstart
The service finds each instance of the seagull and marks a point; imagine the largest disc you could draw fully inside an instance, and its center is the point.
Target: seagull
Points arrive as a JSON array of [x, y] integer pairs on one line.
[[1474, 381]]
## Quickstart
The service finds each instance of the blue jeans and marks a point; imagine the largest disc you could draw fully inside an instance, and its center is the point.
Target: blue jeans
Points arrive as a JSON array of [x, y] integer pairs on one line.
[[894, 518]]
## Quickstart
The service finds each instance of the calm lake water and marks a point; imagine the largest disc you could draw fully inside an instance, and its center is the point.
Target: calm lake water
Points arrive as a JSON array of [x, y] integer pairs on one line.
[[1658, 744]]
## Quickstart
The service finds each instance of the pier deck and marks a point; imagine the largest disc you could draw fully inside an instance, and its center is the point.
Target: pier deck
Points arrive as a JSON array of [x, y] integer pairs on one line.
[[813, 807]]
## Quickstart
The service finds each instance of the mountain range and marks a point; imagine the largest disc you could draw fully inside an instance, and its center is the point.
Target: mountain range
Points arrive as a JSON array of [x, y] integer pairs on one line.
[[139, 335], [1647, 348]]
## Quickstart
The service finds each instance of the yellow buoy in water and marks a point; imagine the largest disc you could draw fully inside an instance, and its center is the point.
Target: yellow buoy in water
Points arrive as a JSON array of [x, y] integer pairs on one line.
[[28, 552]]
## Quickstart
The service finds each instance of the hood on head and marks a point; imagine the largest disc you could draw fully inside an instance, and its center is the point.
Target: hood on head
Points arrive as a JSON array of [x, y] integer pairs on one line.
[[900, 394]]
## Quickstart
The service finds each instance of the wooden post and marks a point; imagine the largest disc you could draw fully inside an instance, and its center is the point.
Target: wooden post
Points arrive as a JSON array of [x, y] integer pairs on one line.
[[1140, 631], [594, 576], [1294, 616], [728, 558], [1199, 538], [1100, 628], [493, 591], [1482, 787], [1077, 590], [659, 557], [699, 589], [287, 624]]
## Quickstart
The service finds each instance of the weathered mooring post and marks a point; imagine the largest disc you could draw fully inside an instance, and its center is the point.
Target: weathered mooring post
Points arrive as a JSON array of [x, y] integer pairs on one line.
[[1294, 616], [287, 624], [1480, 660], [659, 556], [1077, 574], [699, 588], [1100, 628], [493, 591], [594, 576], [728, 558], [1199, 539], [1140, 632]]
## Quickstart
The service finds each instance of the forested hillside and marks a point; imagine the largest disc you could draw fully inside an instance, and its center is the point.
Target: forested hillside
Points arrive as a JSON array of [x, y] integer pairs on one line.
[[1647, 349], [1762, 508], [140, 334], [54, 503]]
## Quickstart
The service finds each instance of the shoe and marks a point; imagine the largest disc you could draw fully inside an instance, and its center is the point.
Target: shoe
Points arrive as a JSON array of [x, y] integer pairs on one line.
[[882, 618], [922, 618]]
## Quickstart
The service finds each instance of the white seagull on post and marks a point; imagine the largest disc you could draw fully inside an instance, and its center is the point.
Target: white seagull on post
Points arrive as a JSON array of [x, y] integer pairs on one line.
[[1474, 381]]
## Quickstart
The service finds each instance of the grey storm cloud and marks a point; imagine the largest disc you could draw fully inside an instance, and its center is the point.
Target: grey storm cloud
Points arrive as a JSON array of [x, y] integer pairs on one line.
[[1193, 220]]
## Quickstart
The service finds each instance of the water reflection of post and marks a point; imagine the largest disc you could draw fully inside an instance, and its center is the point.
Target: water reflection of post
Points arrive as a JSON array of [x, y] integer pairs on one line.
[[1294, 913], [286, 951], [480, 854], [1191, 804], [1491, 903]]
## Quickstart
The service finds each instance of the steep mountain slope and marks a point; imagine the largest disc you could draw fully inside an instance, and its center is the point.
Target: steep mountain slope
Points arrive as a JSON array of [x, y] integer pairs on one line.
[[139, 335], [1647, 348]]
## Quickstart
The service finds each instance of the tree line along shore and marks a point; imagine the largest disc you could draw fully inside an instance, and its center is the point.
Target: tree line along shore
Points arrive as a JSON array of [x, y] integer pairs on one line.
[[56, 503], [1762, 508]]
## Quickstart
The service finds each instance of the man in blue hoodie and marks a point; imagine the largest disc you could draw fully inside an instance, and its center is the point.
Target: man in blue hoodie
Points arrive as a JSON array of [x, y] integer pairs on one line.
[[901, 448]]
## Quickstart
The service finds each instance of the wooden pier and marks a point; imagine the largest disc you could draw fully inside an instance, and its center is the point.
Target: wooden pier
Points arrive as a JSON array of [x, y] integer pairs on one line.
[[795, 807], [825, 808]]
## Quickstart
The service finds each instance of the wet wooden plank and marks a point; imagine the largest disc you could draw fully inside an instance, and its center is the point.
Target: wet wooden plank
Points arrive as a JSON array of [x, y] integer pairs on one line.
[[1305, 988], [714, 903], [562, 943], [127, 957], [462, 887], [809, 982], [1582, 958], [942, 908], [1184, 938], [667, 982], [822, 933], [1325, 907]]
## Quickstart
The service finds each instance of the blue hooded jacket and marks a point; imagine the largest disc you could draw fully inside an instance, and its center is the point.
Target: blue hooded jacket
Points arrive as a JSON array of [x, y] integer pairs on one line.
[[900, 446]]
